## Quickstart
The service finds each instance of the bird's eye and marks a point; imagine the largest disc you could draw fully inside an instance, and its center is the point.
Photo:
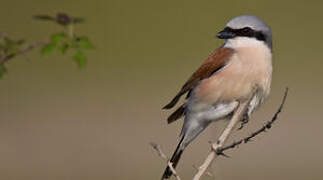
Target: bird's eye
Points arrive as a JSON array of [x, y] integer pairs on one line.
[[246, 30]]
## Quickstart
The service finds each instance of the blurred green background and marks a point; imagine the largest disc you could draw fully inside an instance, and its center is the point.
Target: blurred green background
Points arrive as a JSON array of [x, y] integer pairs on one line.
[[60, 122]]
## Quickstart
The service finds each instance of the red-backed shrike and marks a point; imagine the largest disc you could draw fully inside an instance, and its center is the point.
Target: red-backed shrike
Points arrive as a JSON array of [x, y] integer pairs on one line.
[[242, 67]]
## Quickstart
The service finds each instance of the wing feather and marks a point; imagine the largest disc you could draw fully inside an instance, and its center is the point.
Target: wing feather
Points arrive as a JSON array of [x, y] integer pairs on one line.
[[216, 61]]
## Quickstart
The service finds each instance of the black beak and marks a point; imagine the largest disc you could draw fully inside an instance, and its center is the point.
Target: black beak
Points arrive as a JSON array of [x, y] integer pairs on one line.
[[225, 34]]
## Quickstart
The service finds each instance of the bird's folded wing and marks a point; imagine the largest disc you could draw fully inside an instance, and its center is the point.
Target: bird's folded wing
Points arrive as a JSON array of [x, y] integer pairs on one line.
[[217, 60]]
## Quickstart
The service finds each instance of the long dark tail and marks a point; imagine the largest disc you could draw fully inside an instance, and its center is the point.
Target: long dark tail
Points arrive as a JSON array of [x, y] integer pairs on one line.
[[174, 160]]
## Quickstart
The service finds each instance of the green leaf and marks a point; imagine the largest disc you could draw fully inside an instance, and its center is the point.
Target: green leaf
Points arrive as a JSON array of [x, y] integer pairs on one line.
[[48, 49], [3, 70], [80, 58], [58, 37], [85, 43], [64, 48]]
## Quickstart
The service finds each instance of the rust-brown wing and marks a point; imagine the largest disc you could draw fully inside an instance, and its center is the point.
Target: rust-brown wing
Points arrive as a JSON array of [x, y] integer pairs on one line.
[[213, 63]]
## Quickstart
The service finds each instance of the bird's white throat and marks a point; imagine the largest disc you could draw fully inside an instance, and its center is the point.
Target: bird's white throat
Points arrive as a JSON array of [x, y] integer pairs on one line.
[[243, 42]]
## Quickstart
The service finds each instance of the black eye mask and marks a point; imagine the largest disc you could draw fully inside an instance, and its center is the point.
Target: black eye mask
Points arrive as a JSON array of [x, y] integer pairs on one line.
[[247, 32]]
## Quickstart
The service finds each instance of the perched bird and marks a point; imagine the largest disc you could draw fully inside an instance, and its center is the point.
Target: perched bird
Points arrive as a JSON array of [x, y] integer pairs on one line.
[[240, 68]]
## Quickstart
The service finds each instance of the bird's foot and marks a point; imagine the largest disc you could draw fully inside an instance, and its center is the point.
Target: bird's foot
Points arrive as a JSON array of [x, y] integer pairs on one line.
[[244, 120]]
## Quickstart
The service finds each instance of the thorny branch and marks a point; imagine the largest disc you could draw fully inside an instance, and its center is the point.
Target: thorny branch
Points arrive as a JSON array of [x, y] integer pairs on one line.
[[157, 148], [267, 126]]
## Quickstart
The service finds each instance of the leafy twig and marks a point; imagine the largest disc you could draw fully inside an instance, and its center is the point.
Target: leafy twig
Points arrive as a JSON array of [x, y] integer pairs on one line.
[[60, 41]]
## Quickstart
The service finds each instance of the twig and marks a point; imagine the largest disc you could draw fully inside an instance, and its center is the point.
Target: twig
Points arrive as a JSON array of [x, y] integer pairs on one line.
[[22, 51], [224, 136], [208, 173], [157, 148], [267, 126]]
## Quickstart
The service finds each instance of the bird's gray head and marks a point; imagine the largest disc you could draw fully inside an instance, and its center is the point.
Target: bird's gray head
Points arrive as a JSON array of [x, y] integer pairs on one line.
[[247, 26]]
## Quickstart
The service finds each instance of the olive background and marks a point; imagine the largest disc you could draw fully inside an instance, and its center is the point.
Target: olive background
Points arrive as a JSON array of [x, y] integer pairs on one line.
[[61, 122]]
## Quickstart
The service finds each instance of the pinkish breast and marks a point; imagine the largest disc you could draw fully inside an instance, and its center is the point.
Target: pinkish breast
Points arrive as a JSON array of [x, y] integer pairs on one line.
[[248, 68]]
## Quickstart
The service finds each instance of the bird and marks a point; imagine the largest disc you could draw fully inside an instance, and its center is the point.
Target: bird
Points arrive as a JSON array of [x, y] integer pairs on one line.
[[238, 70]]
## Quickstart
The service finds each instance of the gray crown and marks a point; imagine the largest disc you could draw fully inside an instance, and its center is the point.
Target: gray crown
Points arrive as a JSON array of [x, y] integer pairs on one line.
[[253, 22]]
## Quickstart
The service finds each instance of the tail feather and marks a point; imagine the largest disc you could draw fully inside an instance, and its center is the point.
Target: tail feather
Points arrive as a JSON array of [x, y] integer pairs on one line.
[[174, 160], [173, 101], [177, 114]]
